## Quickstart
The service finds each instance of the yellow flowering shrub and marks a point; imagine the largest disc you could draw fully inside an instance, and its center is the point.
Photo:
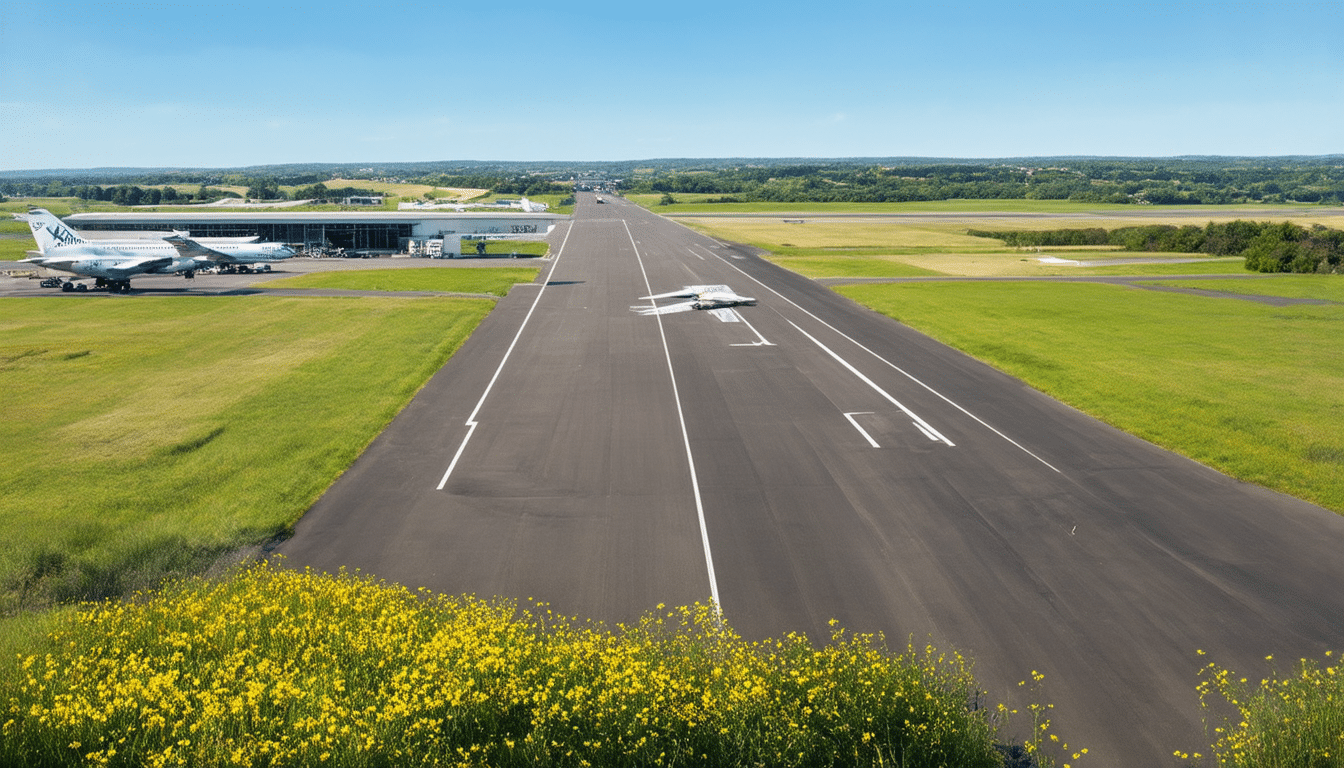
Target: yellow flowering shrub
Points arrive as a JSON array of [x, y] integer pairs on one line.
[[281, 667], [1289, 721]]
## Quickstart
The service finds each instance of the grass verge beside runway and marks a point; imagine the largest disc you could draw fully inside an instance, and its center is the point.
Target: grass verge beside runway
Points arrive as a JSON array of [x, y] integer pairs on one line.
[[1318, 287], [1249, 389], [146, 437], [495, 281]]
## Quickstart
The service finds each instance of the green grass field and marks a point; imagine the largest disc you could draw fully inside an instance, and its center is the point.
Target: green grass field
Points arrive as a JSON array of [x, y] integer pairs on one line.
[[1317, 287], [143, 438], [1252, 390], [495, 281]]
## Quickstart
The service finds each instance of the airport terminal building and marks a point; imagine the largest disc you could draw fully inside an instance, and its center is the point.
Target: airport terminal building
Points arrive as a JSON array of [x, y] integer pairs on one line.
[[431, 233]]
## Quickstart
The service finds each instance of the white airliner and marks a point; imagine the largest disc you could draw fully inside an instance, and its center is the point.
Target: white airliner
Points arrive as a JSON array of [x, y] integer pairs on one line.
[[112, 263], [710, 297]]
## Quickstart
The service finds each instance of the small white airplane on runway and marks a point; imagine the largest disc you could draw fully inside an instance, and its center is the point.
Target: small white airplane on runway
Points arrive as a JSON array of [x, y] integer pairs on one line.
[[715, 298]]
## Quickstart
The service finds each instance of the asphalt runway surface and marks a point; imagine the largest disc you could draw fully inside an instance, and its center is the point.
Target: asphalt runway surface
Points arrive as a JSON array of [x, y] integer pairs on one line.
[[817, 461]]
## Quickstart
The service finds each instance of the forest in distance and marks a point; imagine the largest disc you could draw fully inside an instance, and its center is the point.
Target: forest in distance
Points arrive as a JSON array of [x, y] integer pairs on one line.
[[1266, 246], [1202, 180]]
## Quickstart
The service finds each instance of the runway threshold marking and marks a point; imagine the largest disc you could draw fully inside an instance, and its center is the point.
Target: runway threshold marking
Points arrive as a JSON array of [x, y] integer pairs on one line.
[[685, 435], [862, 431], [471, 420], [923, 425], [893, 366]]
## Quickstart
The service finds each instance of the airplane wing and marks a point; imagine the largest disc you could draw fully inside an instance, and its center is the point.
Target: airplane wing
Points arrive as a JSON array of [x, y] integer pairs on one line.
[[689, 291], [139, 264], [131, 266], [190, 249], [726, 314], [683, 306]]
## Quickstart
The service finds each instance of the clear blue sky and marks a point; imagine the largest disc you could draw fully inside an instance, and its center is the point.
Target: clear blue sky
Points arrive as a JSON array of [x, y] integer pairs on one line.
[[225, 84]]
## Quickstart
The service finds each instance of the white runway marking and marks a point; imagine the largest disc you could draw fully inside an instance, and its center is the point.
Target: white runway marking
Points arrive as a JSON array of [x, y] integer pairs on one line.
[[761, 340], [471, 420], [862, 431], [898, 369], [923, 425], [685, 437]]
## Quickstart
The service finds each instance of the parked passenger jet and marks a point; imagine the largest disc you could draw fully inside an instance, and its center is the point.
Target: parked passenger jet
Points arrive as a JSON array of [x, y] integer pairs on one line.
[[711, 297], [112, 263]]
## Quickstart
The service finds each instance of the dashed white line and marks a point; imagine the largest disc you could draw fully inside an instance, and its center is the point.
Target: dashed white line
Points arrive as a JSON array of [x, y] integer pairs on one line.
[[471, 420]]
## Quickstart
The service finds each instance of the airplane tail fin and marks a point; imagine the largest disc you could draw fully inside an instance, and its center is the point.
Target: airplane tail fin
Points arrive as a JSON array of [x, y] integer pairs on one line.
[[49, 231]]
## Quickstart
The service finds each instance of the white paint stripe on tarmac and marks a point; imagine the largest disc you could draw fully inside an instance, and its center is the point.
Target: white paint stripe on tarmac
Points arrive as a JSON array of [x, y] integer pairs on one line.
[[923, 425], [896, 368], [862, 431], [685, 437], [471, 420]]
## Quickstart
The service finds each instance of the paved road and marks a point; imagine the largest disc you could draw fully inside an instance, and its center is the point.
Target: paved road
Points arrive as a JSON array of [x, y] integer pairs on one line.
[[818, 461]]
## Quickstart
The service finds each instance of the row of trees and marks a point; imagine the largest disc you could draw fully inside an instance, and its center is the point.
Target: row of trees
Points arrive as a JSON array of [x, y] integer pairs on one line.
[[1083, 181], [129, 194], [1266, 246], [525, 184]]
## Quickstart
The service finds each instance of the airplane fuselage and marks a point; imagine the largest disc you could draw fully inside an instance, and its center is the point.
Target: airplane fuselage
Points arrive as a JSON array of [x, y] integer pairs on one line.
[[116, 263], [716, 300]]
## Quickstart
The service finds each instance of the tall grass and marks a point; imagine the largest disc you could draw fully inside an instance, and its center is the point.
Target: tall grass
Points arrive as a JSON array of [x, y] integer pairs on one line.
[[277, 667]]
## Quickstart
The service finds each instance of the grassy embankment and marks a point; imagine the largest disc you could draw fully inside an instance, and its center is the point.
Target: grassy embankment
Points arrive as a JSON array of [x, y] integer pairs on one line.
[[277, 667]]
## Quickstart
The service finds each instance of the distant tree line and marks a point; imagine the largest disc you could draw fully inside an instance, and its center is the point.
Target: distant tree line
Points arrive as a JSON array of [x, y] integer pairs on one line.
[[129, 194], [1266, 246], [1141, 181], [498, 184], [1092, 181]]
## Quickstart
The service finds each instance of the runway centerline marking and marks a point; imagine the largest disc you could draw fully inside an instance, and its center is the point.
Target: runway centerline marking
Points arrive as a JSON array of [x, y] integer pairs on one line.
[[685, 436], [471, 420], [862, 431], [923, 425]]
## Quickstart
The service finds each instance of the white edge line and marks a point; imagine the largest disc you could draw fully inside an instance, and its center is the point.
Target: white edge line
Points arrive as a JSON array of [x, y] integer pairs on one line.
[[895, 367], [922, 424], [862, 431], [471, 420], [763, 341], [685, 437]]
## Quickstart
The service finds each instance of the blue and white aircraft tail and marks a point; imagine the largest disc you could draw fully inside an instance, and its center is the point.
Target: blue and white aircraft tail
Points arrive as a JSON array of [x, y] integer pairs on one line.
[[112, 263], [51, 232]]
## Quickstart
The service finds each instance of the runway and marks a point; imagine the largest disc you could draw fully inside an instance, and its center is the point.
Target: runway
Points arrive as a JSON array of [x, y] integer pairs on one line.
[[817, 461]]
